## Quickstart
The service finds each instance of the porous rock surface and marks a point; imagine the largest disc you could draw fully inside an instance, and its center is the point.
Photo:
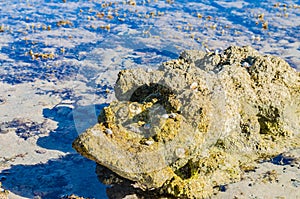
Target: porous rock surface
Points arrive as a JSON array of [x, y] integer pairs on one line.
[[198, 121]]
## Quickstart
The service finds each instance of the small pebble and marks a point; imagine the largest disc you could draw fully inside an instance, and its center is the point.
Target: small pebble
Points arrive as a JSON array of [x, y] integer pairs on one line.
[[223, 188], [40, 151], [3, 128], [295, 182], [2, 101]]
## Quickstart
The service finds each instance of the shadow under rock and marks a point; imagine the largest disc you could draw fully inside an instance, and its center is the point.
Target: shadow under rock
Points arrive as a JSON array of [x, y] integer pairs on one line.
[[71, 174], [71, 122], [123, 188]]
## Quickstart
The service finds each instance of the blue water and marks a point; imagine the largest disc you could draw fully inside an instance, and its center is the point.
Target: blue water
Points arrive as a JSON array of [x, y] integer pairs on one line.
[[141, 35], [23, 24]]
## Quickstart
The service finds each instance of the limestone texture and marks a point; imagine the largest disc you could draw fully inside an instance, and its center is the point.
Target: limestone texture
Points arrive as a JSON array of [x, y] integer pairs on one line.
[[198, 122]]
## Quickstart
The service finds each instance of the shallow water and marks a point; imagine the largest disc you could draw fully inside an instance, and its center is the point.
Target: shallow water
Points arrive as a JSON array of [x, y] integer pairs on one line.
[[147, 33], [76, 48]]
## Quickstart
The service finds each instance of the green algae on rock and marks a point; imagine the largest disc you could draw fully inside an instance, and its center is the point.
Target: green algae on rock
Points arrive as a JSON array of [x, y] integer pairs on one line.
[[198, 121]]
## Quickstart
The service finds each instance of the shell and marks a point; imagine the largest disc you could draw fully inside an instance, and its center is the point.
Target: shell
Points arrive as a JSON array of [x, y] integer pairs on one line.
[[246, 64], [218, 51], [149, 142], [165, 116], [149, 70], [194, 86], [108, 131]]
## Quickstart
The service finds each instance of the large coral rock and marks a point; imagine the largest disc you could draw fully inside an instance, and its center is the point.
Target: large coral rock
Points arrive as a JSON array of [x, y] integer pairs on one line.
[[197, 122]]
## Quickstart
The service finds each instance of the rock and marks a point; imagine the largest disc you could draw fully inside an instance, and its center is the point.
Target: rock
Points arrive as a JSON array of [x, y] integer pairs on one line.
[[3, 193], [228, 115]]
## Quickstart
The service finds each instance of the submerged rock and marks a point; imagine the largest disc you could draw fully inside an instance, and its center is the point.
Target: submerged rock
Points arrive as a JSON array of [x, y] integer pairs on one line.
[[198, 121]]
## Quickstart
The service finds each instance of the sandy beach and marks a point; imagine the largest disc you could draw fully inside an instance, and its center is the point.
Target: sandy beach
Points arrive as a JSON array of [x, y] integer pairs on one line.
[[59, 62]]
